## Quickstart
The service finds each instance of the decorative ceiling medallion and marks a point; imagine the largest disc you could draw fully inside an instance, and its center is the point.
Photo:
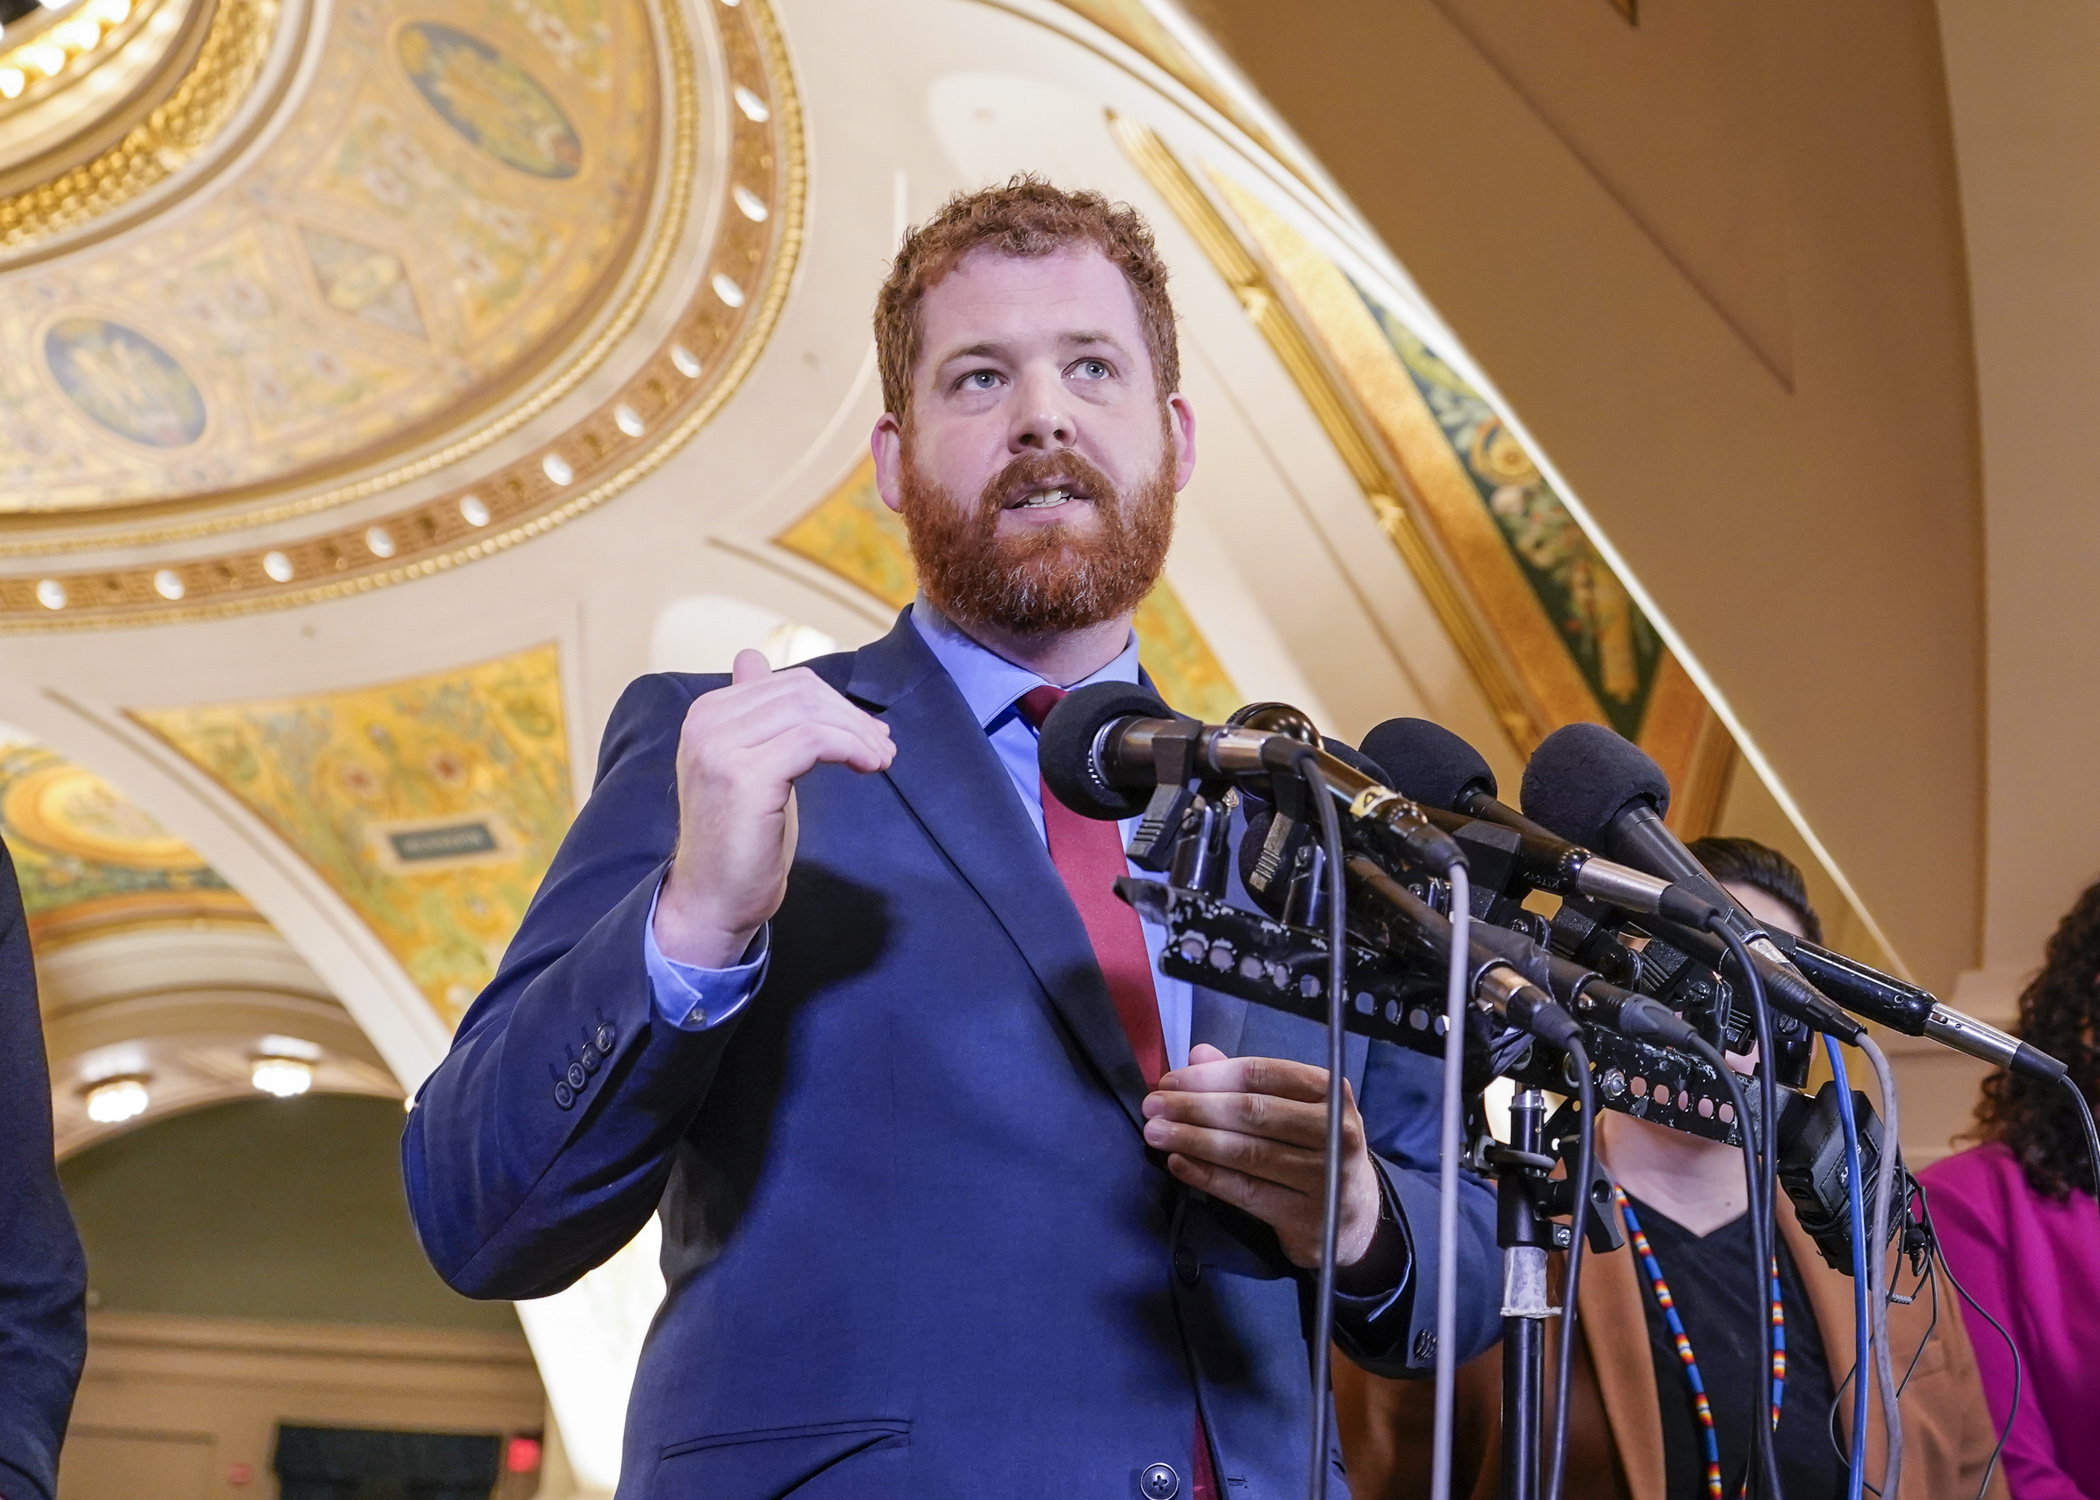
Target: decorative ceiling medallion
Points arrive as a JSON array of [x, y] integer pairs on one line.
[[699, 362], [432, 806], [168, 135]]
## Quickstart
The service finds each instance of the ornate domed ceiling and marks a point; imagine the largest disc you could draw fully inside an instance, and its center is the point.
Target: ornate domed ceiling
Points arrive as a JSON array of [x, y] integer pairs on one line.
[[483, 263]]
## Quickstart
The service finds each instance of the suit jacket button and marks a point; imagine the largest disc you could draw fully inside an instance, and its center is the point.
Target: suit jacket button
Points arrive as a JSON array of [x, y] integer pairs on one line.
[[577, 1077], [1159, 1482], [588, 1057], [1425, 1346], [1187, 1269], [564, 1096], [605, 1038]]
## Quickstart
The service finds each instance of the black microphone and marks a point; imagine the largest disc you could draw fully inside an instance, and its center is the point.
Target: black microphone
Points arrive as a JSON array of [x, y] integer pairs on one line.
[[1574, 986], [1436, 768], [1103, 743], [1906, 1008], [1598, 789]]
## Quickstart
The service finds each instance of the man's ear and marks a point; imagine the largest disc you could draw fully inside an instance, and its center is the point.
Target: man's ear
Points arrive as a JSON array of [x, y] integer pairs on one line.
[[886, 443], [1181, 436]]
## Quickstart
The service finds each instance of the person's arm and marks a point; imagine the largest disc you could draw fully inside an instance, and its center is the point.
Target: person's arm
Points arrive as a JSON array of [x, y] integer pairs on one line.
[[541, 1144], [1972, 1240], [43, 1275]]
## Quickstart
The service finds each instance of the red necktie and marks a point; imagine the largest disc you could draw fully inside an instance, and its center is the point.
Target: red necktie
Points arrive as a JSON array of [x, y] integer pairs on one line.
[[1088, 853]]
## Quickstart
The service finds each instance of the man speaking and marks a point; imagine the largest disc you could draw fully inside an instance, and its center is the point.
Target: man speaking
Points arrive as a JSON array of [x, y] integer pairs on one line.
[[959, 1197]]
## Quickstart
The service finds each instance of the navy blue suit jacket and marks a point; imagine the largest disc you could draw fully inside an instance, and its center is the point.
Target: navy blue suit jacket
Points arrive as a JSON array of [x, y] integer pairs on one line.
[[913, 1242], [43, 1275]]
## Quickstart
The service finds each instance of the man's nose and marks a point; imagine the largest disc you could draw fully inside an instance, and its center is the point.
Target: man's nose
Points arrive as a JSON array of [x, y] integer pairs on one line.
[[1044, 419]]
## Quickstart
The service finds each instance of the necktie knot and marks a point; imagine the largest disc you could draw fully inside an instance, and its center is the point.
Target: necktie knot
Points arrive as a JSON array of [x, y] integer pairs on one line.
[[1036, 703]]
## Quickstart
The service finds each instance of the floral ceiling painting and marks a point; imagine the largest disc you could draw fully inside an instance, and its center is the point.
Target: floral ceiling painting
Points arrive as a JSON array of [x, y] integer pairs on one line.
[[431, 806]]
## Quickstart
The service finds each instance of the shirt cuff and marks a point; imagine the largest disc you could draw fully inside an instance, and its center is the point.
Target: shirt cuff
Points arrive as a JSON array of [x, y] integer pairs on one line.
[[696, 999]]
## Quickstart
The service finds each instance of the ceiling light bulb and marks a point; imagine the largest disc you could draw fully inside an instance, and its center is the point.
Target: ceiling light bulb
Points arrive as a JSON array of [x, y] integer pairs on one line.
[[282, 1076], [115, 1100]]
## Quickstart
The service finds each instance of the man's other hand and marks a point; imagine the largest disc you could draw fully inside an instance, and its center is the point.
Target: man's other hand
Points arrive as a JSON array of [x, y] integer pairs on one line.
[[739, 754], [1251, 1131]]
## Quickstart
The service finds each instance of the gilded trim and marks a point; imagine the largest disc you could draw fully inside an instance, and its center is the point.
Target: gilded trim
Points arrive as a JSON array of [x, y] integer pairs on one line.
[[163, 143], [699, 364]]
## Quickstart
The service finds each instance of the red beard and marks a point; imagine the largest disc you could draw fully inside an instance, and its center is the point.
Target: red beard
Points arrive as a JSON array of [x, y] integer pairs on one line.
[[1049, 580]]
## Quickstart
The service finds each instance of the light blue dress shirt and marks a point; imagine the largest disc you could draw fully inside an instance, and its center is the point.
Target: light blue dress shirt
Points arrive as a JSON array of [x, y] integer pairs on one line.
[[695, 999]]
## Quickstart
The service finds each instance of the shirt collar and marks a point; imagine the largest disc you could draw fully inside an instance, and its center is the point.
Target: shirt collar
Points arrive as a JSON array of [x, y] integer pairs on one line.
[[989, 682]]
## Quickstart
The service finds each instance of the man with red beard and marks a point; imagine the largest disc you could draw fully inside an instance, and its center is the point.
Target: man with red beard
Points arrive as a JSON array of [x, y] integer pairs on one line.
[[959, 1197]]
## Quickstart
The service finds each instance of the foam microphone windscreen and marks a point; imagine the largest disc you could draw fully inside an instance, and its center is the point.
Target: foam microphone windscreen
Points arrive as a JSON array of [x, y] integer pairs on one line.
[[1356, 760], [1065, 749], [1427, 763], [1582, 776]]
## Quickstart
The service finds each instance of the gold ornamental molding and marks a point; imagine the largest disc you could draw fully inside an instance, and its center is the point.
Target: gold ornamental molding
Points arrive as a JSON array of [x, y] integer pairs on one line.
[[702, 359], [209, 94]]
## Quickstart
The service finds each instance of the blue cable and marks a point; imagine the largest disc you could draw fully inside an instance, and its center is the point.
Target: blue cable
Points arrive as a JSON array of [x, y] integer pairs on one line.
[[1856, 1476]]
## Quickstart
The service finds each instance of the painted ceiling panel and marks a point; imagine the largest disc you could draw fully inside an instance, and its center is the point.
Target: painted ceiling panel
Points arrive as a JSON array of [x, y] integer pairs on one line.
[[432, 806]]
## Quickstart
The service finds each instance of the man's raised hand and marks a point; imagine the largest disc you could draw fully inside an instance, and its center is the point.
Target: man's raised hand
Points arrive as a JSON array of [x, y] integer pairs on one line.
[[739, 754]]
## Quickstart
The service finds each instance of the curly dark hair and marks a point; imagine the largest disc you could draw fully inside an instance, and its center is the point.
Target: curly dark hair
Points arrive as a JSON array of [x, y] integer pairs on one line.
[[2060, 1014]]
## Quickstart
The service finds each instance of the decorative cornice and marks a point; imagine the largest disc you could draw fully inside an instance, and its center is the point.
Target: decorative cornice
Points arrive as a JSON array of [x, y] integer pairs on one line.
[[697, 366]]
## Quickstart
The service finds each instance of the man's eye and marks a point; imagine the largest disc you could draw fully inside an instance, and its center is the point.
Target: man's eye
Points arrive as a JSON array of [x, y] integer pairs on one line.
[[980, 380], [1091, 369]]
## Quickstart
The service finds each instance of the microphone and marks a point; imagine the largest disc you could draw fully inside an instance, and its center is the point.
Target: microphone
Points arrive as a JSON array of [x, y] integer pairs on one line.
[[1436, 768], [1101, 744], [1595, 788], [1572, 986], [1906, 1008]]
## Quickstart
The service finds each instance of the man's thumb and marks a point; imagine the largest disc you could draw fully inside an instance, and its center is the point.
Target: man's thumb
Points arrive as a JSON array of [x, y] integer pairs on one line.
[[750, 666]]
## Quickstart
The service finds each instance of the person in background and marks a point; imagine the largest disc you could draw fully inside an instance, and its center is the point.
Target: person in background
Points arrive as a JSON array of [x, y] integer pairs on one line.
[[43, 1273], [1635, 1431], [2016, 1220]]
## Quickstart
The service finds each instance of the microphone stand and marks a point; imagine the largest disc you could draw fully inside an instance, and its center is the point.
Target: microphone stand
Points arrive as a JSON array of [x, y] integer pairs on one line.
[[1525, 1231]]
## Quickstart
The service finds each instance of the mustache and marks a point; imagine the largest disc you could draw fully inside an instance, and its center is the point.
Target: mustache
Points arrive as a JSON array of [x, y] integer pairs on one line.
[[1033, 470]]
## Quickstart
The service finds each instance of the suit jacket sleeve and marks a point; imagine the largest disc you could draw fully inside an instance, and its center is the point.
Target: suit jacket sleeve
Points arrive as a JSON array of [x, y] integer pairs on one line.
[[519, 1179], [1396, 1335], [43, 1275]]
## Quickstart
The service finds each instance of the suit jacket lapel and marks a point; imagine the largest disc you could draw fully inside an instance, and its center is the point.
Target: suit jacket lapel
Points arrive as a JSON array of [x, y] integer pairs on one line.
[[949, 775]]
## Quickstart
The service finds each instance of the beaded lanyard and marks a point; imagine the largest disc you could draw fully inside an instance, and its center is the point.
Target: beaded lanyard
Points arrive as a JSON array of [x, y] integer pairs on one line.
[[1707, 1437]]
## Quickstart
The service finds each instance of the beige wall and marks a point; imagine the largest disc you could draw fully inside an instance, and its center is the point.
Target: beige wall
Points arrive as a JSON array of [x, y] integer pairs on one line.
[[1715, 263], [2027, 128], [176, 1408]]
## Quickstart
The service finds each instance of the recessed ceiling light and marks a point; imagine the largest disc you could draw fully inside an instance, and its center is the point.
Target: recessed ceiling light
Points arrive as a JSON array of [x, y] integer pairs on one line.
[[115, 1100], [282, 1076]]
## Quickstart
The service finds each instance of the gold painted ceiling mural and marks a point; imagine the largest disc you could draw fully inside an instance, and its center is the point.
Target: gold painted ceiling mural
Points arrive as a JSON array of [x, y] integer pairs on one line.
[[90, 861], [851, 533], [448, 199], [472, 207], [431, 806]]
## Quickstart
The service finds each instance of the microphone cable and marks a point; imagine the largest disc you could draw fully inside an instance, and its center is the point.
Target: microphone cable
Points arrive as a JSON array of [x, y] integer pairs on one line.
[[1585, 1155], [1884, 1186], [1763, 1192], [2013, 1412], [1451, 1108], [2085, 1118], [1855, 1475], [1331, 1186]]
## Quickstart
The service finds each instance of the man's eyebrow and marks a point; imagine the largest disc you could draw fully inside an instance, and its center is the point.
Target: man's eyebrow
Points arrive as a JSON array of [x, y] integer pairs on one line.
[[1078, 338]]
